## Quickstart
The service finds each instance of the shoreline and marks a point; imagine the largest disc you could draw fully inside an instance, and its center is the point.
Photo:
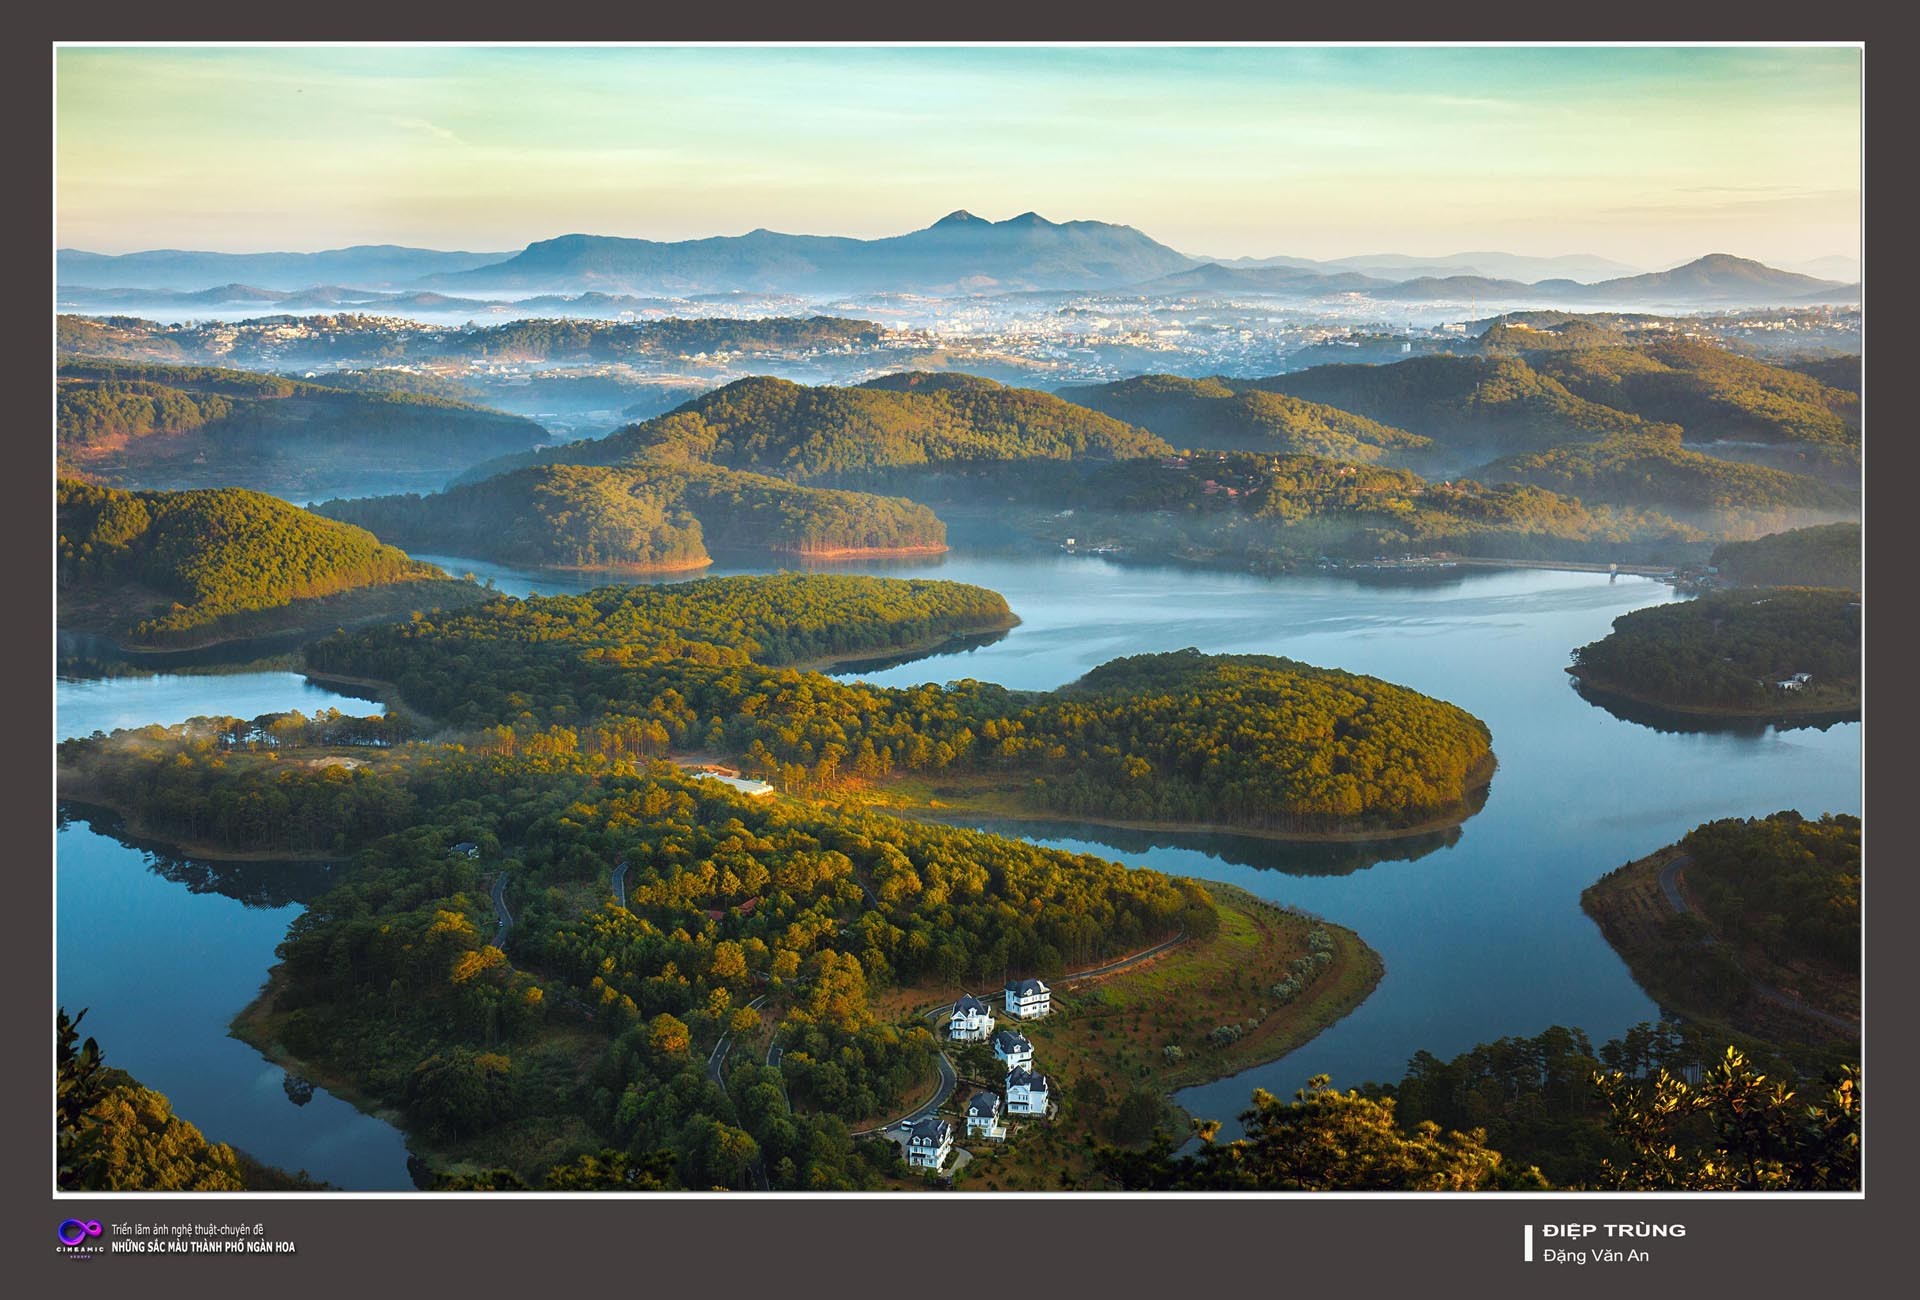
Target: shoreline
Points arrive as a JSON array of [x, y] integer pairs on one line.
[[146, 838], [925, 647], [1749, 713], [1630, 908], [306, 622], [1478, 783], [860, 552]]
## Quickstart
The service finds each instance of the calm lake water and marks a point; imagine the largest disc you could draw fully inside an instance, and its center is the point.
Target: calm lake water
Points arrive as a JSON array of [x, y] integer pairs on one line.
[[1481, 930]]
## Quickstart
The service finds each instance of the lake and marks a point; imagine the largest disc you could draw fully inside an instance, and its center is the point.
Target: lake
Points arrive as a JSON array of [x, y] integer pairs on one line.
[[1481, 930]]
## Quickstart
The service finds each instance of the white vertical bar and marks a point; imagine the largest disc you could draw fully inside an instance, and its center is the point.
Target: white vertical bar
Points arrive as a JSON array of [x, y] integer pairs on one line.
[[1528, 1255]]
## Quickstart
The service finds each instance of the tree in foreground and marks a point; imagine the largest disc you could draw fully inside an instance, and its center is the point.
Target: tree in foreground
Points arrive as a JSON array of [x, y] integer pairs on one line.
[[1323, 1140], [1737, 1130], [114, 1135]]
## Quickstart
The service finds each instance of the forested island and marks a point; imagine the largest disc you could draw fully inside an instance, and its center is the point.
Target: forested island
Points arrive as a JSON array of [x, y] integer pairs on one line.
[[646, 518], [1825, 556], [1256, 743], [1783, 651], [154, 425], [1750, 927], [173, 569]]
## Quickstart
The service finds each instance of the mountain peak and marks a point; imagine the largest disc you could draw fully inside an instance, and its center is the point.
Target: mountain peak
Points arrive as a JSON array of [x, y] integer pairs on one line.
[[959, 217], [1026, 219]]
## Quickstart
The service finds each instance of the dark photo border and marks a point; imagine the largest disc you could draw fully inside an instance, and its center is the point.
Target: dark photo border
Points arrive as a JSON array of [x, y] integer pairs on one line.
[[1030, 1244]]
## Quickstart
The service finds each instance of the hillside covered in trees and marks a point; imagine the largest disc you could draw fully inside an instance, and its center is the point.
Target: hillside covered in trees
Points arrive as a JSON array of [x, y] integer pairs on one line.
[[576, 1058], [173, 566], [862, 436], [113, 1135], [1254, 742], [1715, 395], [1225, 415], [1824, 556], [1726, 652], [645, 516], [1473, 406], [1660, 473], [1576, 382], [150, 424], [1768, 944]]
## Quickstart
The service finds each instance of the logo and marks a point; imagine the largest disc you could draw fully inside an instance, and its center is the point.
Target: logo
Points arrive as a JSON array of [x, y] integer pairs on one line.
[[74, 1231]]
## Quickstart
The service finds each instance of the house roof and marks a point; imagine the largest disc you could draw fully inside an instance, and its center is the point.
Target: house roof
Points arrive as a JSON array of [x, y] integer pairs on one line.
[[1021, 1077], [967, 1003], [931, 1129], [984, 1103], [463, 846], [1026, 986], [1012, 1040]]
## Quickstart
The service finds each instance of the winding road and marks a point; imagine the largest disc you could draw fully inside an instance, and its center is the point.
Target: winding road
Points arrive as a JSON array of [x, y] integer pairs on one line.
[[500, 911], [1670, 882], [717, 1059], [620, 882], [1670, 886]]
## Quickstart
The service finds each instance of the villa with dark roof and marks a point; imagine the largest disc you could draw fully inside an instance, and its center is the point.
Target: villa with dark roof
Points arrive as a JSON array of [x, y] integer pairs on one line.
[[983, 1117], [1027, 1093], [1029, 999], [1013, 1047], [929, 1142], [972, 1020]]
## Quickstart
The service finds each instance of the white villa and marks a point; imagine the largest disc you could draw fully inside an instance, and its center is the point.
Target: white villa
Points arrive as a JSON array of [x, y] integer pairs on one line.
[[972, 1020], [929, 1142], [1013, 1047], [983, 1117], [1029, 999], [1797, 682], [1026, 1093]]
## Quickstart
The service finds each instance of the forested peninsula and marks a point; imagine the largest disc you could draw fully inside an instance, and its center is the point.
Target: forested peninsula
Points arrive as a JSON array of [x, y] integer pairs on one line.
[[644, 518], [1252, 742], [1750, 927], [149, 424], [175, 569], [1782, 651]]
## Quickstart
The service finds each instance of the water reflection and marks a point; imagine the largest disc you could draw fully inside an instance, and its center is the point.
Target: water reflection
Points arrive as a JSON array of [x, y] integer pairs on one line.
[[1675, 722], [1293, 857], [262, 884]]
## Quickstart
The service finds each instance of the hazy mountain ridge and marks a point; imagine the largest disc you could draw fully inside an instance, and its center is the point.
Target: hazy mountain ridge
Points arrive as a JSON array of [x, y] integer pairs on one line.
[[959, 254]]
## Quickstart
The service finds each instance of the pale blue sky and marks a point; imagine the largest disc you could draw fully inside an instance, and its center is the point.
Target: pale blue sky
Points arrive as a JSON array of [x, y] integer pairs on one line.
[[1648, 155]]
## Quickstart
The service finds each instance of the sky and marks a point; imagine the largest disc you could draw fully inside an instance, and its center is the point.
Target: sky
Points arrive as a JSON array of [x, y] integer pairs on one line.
[[1650, 156]]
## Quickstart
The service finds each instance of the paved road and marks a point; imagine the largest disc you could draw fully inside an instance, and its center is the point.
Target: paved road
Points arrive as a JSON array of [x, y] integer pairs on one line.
[[620, 882], [1670, 881], [500, 912], [1670, 886], [717, 1059], [1112, 966], [948, 1082]]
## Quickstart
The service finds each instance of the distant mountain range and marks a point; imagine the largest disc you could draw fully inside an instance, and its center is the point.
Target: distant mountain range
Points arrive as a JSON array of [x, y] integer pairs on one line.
[[959, 254], [1584, 267], [374, 265], [1718, 278]]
